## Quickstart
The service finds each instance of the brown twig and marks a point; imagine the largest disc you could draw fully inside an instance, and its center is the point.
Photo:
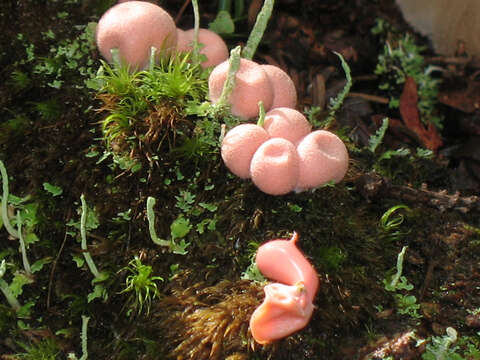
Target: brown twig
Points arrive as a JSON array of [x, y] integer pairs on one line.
[[181, 11], [368, 97], [372, 185], [455, 60]]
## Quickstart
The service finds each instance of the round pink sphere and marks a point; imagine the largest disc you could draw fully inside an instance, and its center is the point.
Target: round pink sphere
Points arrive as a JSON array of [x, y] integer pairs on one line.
[[323, 158], [133, 27], [287, 123], [211, 45], [251, 86], [239, 145], [284, 91], [274, 167]]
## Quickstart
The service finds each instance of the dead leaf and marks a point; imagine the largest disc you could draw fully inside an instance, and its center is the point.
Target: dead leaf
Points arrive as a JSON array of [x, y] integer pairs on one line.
[[428, 135]]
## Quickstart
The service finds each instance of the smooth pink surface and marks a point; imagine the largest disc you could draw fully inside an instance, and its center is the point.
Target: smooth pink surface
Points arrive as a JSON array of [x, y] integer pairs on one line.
[[239, 145], [211, 45], [251, 86], [284, 311], [323, 157], [274, 167], [287, 123], [133, 27], [288, 305], [183, 42], [284, 92], [282, 261]]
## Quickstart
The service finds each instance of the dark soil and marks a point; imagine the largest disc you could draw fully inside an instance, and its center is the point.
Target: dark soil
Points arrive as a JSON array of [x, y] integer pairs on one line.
[[48, 135]]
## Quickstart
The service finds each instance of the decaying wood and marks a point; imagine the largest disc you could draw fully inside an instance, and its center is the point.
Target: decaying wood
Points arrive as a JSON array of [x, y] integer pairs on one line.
[[371, 185]]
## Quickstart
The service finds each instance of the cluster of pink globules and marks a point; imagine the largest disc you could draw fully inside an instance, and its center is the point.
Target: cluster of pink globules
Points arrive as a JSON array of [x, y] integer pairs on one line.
[[284, 155], [288, 304]]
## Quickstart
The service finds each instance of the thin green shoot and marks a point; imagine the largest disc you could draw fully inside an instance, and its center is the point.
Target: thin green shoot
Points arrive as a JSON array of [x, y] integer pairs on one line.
[[337, 102], [196, 27], [23, 250], [179, 248], [406, 304], [151, 223], [239, 8], [83, 235], [261, 114], [375, 140], [11, 299], [229, 85], [153, 56], [258, 30], [226, 6], [5, 219], [393, 284], [84, 338]]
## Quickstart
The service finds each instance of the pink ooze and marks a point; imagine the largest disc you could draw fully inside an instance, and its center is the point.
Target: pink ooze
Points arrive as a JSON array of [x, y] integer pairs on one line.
[[286, 308], [284, 311]]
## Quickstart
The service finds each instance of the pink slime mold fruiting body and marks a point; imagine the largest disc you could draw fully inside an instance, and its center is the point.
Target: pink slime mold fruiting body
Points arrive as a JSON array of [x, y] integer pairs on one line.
[[284, 91], [323, 157], [284, 311], [133, 27], [212, 45], [274, 167], [282, 261], [288, 305], [239, 145], [286, 123], [251, 86]]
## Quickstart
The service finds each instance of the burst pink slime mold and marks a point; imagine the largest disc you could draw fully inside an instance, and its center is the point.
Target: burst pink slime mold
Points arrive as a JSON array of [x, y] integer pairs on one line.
[[274, 167], [288, 305], [286, 123], [323, 157], [239, 145], [284, 92], [213, 46], [133, 27], [251, 86]]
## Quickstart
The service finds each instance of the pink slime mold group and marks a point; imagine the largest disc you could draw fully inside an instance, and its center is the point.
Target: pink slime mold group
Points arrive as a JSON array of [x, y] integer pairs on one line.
[[288, 304], [284, 155]]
